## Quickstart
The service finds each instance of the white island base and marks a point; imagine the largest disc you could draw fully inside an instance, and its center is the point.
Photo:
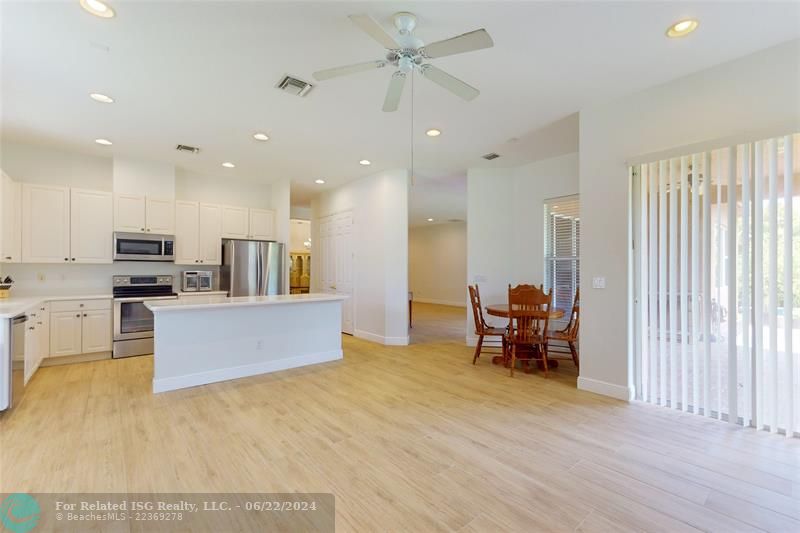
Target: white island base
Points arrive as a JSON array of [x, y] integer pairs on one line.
[[200, 342]]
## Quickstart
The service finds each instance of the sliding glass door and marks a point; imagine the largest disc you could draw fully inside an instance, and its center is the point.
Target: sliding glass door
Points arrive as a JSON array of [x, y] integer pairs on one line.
[[717, 283]]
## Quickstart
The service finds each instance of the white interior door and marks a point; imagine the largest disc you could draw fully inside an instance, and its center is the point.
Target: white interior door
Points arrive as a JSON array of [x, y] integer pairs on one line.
[[343, 269]]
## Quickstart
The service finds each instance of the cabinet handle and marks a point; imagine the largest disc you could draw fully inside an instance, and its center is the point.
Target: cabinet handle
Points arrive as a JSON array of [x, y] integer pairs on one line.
[[78, 315], [9, 257], [81, 305], [84, 314], [141, 229], [66, 259], [73, 259], [31, 328], [39, 323]]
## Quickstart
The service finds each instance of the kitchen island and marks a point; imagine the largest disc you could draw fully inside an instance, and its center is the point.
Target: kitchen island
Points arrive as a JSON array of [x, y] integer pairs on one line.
[[200, 341]]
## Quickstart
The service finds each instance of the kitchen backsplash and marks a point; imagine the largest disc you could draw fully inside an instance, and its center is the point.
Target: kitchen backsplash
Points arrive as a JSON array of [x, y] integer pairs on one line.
[[52, 279]]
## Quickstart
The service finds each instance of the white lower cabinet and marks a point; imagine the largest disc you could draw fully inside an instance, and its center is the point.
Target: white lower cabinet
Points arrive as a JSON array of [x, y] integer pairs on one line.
[[80, 326], [65, 333]]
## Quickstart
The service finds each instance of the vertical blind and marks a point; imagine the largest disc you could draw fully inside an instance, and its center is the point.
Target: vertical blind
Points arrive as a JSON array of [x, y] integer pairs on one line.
[[562, 249], [717, 285]]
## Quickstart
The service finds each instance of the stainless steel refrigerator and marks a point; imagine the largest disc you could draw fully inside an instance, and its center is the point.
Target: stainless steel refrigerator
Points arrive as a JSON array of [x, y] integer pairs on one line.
[[251, 268]]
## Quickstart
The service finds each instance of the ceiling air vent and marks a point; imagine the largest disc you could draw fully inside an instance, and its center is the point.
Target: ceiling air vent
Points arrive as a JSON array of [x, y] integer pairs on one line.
[[187, 148], [294, 86], [491, 156]]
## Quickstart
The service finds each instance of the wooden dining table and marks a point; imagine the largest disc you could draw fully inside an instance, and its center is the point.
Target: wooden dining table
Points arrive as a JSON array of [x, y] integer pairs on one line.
[[501, 310]]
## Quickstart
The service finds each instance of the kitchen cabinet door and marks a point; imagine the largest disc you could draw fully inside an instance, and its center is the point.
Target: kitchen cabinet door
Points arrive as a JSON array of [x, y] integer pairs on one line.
[[187, 232], [210, 243], [31, 349], [262, 224], [65, 333], [160, 216], [45, 224], [235, 222], [42, 322], [129, 213], [11, 221], [91, 223], [96, 331]]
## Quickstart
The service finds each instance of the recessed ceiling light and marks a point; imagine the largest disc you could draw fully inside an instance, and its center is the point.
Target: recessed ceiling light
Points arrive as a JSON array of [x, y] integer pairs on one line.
[[319, 182], [682, 28], [261, 136], [430, 220], [104, 142], [433, 132], [97, 8], [365, 162], [228, 164], [102, 98]]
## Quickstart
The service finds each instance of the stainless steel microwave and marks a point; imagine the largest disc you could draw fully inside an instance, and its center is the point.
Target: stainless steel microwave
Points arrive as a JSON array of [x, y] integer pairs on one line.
[[143, 247]]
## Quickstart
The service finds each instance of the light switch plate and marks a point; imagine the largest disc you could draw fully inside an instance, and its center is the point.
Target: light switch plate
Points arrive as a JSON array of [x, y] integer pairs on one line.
[[599, 282]]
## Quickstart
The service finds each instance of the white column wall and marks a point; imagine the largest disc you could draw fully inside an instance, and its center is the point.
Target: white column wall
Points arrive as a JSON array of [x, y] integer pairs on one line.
[[379, 203]]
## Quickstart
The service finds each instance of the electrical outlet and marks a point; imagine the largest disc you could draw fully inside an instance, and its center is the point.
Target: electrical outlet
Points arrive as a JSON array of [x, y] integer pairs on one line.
[[599, 283]]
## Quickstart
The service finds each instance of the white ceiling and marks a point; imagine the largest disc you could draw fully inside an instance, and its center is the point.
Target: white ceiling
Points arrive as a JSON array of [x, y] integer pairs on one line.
[[203, 73]]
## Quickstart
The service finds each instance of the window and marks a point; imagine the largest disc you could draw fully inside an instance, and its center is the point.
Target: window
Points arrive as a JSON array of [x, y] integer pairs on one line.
[[562, 226]]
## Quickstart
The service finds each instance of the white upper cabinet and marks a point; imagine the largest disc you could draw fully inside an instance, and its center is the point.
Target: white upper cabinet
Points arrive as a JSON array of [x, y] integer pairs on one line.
[[187, 232], [209, 249], [262, 224], [198, 229], [235, 222], [45, 224], [129, 213], [11, 221], [160, 216], [91, 218]]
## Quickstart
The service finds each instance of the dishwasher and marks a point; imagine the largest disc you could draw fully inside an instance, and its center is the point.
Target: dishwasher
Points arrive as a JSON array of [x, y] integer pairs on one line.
[[12, 384]]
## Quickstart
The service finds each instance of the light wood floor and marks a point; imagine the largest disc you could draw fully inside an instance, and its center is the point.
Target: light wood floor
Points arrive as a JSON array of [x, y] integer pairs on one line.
[[407, 438]]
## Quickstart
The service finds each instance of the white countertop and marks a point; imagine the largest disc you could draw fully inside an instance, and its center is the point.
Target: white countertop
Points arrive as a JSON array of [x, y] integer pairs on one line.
[[157, 306], [16, 305]]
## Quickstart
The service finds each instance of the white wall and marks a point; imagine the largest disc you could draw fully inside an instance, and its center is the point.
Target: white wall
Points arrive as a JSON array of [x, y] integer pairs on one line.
[[40, 164], [437, 263], [299, 232], [281, 203], [219, 189], [505, 224], [135, 176], [380, 240], [757, 93]]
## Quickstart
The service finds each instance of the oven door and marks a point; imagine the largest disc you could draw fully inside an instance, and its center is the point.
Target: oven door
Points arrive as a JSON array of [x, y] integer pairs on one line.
[[132, 320]]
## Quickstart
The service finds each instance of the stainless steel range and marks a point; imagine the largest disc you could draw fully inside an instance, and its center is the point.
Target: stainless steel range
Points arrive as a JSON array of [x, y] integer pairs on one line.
[[133, 322]]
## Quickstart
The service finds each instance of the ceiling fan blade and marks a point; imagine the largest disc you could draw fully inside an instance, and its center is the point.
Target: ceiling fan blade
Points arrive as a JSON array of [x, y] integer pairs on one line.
[[394, 92], [374, 30], [474, 40], [452, 84], [329, 73]]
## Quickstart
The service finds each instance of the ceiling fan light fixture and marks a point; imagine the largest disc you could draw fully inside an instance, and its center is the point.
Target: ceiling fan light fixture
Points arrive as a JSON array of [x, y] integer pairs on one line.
[[433, 132], [682, 28]]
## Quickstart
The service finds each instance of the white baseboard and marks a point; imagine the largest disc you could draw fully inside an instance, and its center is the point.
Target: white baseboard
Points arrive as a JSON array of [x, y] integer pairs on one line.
[[380, 339], [605, 388], [225, 374], [451, 303], [72, 359]]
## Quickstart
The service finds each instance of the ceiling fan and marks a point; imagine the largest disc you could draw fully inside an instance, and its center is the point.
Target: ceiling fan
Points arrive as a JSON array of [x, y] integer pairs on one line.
[[408, 53]]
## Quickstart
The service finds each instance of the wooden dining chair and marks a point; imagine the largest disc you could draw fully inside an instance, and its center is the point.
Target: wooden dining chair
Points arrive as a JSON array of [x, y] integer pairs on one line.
[[482, 329], [529, 316], [569, 334]]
